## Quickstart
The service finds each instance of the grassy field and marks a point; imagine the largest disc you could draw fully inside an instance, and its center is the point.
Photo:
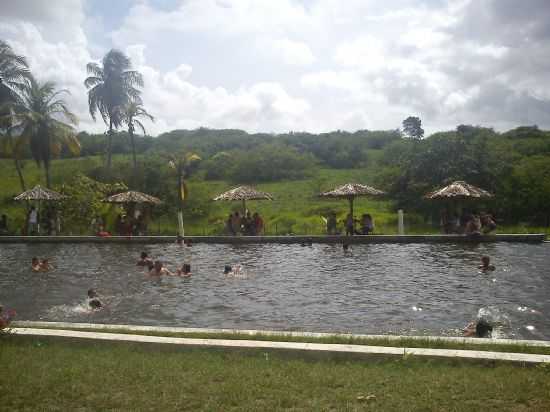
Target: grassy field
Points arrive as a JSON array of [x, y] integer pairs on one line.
[[41, 374], [296, 208]]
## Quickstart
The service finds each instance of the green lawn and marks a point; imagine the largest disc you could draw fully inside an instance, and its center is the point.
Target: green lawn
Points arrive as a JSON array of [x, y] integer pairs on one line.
[[41, 374]]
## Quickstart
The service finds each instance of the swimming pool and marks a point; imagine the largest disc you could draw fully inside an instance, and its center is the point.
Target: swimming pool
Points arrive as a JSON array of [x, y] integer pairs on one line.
[[414, 289]]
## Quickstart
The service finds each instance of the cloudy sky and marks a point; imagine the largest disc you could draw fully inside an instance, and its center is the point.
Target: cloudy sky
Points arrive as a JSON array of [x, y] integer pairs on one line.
[[303, 65]]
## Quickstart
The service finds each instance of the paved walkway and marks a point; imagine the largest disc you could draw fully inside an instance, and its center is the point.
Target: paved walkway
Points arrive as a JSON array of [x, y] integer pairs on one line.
[[308, 347]]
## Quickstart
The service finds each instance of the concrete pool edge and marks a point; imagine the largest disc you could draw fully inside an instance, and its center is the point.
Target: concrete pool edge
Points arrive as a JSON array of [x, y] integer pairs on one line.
[[348, 349], [275, 333], [359, 239]]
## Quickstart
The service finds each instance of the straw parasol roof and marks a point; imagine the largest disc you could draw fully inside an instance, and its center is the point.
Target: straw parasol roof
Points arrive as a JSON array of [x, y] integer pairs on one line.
[[40, 193], [133, 197], [352, 190], [244, 193], [459, 190]]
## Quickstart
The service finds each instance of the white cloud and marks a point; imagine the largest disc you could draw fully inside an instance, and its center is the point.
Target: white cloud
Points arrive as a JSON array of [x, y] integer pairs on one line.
[[292, 53], [304, 65]]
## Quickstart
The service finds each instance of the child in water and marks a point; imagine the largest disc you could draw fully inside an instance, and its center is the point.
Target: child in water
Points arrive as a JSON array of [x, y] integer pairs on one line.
[[236, 271], [93, 300], [41, 266], [159, 270], [185, 270], [35, 264], [144, 260], [486, 264], [478, 329]]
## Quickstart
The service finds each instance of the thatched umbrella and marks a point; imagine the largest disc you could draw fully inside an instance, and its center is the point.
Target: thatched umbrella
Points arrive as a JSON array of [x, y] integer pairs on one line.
[[459, 190], [133, 197], [350, 191], [455, 193], [244, 193], [39, 193]]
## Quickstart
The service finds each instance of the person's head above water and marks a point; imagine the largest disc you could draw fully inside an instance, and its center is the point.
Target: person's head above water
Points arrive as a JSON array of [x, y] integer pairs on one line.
[[483, 329], [143, 255], [35, 261], [485, 261], [227, 269], [158, 265], [92, 293]]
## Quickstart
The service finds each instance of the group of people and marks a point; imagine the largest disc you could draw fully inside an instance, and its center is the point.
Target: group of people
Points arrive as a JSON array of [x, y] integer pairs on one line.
[[366, 224], [157, 268], [468, 223], [131, 225], [47, 222], [247, 224]]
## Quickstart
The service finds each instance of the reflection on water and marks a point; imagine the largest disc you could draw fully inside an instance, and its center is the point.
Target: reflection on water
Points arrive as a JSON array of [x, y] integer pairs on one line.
[[380, 288]]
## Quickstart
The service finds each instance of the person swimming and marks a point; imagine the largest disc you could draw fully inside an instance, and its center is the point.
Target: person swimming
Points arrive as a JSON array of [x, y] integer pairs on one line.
[[346, 247], [478, 329], [486, 264], [93, 300], [144, 260], [35, 264], [185, 270], [159, 270], [235, 271]]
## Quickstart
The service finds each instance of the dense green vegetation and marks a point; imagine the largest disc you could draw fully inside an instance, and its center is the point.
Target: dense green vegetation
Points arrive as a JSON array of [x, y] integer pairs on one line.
[[295, 167], [81, 375]]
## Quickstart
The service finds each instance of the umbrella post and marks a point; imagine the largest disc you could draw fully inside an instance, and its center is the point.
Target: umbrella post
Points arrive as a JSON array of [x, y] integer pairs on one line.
[[244, 207], [351, 198]]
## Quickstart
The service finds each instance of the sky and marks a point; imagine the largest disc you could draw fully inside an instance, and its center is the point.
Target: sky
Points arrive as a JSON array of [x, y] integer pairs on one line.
[[301, 65]]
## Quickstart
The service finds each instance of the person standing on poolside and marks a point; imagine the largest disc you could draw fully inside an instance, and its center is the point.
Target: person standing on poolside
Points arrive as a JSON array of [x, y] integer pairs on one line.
[[33, 221]]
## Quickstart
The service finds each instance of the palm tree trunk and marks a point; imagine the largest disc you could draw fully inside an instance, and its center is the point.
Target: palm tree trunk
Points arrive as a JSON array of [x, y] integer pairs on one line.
[[109, 144], [47, 170], [19, 173], [131, 133]]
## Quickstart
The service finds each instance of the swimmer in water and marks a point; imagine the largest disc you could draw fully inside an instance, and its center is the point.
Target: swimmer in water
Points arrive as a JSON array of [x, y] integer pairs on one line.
[[486, 264], [144, 260], [159, 270], [185, 270], [45, 266], [478, 329], [236, 271], [93, 300], [347, 249], [35, 264]]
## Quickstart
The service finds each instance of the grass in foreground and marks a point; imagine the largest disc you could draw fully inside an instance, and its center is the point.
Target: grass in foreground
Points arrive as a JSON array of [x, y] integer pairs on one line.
[[41, 374], [351, 340]]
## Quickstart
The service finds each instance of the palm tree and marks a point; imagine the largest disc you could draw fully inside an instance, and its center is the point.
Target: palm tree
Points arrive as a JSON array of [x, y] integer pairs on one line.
[[183, 165], [14, 70], [40, 120], [111, 88], [133, 111]]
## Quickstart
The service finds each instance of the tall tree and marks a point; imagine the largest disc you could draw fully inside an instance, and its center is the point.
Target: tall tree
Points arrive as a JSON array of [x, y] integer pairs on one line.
[[42, 121], [133, 111], [111, 88], [14, 71], [412, 127]]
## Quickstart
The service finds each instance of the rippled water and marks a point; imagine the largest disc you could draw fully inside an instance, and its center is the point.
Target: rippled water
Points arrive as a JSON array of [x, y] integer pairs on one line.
[[380, 288]]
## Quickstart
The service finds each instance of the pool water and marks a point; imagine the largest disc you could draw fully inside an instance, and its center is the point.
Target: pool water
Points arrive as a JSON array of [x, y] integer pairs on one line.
[[413, 289]]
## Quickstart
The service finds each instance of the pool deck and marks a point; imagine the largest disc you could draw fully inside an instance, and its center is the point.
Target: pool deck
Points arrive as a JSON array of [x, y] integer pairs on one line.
[[523, 238], [346, 349]]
